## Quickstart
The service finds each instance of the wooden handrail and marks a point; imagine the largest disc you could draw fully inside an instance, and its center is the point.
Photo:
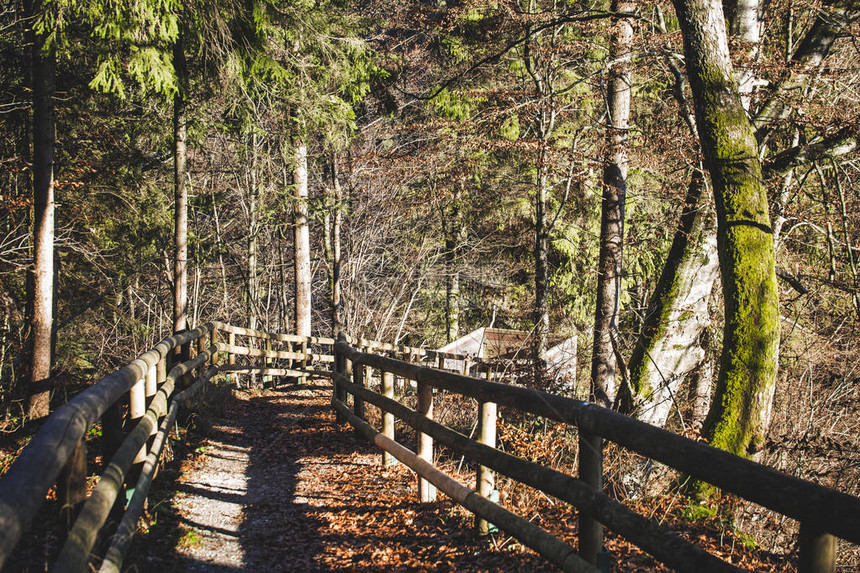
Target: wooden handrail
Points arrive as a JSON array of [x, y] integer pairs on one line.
[[656, 540], [23, 488], [82, 537], [820, 510], [833, 511], [552, 548]]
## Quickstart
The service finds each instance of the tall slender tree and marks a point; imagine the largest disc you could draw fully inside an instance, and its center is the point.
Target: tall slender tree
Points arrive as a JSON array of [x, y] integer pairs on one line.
[[301, 239], [43, 62], [605, 362], [180, 190]]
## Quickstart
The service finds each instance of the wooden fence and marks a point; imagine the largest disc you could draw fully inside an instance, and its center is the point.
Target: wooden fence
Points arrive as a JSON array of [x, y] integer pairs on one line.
[[823, 513], [138, 404], [136, 407]]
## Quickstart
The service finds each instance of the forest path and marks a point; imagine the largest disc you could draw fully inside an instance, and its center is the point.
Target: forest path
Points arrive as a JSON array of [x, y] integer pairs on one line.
[[277, 485]]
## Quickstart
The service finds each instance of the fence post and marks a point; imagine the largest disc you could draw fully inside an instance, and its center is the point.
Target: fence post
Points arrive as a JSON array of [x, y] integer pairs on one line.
[[231, 342], [817, 550], [347, 372], [136, 410], [201, 347], [590, 472], [267, 346], [213, 340], [426, 490], [358, 379], [184, 356], [467, 365], [486, 479], [151, 384], [339, 368], [72, 485], [303, 379], [387, 417]]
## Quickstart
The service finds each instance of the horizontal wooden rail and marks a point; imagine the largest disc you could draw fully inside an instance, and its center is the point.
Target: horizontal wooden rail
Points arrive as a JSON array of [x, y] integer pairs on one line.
[[553, 549], [292, 372], [23, 488], [829, 510], [120, 541], [149, 387], [820, 510], [82, 537], [664, 545], [279, 354], [322, 341]]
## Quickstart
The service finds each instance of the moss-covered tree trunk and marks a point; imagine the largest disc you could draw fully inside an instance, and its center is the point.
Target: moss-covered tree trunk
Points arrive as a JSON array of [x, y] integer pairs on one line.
[[604, 361], [740, 412], [669, 348]]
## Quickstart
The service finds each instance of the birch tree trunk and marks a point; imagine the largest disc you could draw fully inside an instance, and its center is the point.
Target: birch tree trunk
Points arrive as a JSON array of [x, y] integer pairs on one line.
[[604, 363], [302, 242], [43, 70], [746, 28], [669, 348], [740, 412]]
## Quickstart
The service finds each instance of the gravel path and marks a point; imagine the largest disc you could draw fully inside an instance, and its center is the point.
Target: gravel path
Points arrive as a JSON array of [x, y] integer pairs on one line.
[[278, 486]]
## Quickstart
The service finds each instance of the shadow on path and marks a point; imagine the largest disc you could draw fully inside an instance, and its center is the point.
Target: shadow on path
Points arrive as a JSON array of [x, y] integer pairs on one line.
[[276, 485]]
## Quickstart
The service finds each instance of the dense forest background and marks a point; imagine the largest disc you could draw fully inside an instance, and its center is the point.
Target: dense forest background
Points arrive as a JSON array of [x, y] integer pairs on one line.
[[454, 156]]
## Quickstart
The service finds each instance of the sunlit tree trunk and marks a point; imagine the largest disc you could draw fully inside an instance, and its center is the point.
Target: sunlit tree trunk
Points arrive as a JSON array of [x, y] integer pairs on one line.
[[43, 70], [332, 223], [669, 349], [746, 28], [604, 363], [180, 194], [453, 229], [252, 287], [541, 311], [740, 412], [302, 241]]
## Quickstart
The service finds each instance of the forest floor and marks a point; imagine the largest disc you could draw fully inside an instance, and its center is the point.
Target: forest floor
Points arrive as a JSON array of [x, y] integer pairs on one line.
[[274, 484]]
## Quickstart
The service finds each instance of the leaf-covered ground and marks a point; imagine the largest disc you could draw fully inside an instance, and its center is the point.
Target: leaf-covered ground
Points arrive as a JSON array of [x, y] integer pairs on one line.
[[277, 485]]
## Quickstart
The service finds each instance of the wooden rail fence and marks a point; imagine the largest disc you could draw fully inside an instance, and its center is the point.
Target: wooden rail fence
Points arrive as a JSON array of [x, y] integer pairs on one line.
[[138, 404], [823, 513]]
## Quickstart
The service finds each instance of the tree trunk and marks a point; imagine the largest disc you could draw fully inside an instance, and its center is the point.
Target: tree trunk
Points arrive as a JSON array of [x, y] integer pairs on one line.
[[745, 27], [669, 350], [302, 242], [740, 412], [541, 311], [604, 361], [253, 215], [43, 70], [453, 230], [180, 194], [333, 224]]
